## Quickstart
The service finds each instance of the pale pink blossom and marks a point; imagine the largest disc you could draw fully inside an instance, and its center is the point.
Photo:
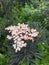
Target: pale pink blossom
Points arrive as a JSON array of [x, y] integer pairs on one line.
[[35, 34], [14, 45], [18, 48], [20, 34], [33, 30], [9, 37], [15, 41]]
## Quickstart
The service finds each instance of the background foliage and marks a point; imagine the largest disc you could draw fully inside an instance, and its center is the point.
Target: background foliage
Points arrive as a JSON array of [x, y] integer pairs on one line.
[[33, 12]]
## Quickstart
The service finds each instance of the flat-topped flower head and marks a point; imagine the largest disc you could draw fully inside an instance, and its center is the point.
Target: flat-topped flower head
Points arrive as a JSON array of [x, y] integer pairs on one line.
[[20, 34]]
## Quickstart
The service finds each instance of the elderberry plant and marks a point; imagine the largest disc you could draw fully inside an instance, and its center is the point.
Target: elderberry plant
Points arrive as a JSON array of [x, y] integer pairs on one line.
[[22, 44]]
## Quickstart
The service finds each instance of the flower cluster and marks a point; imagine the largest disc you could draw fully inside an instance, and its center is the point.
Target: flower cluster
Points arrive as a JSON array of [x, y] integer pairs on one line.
[[20, 34]]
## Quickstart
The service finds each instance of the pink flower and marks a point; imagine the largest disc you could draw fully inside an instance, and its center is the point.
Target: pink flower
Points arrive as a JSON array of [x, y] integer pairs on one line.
[[33, 30], [35, 34], [14, 45], [20, 34], [9, 37]]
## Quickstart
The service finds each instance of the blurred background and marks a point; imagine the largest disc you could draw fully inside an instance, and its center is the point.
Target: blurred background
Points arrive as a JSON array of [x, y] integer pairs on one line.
[[34, 12]]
